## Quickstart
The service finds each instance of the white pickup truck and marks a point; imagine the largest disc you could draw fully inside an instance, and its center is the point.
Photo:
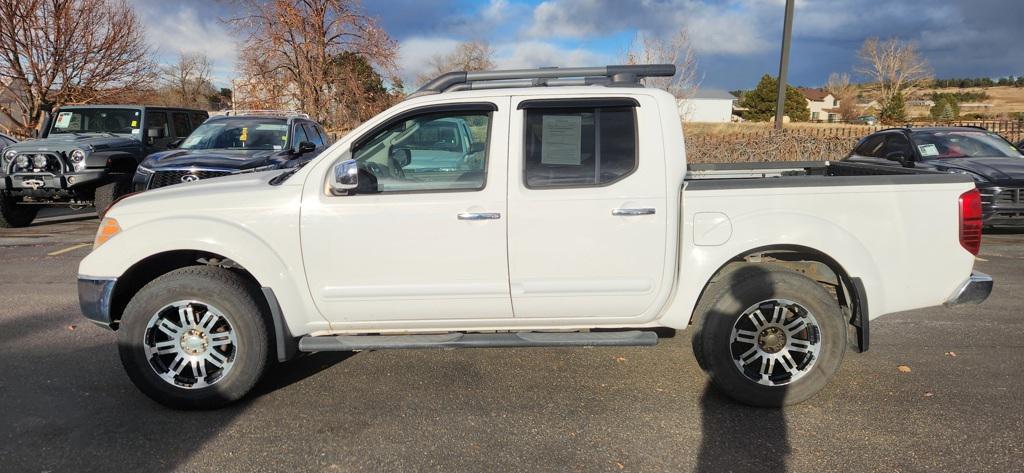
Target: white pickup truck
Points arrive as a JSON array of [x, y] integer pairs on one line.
[[527, 208]]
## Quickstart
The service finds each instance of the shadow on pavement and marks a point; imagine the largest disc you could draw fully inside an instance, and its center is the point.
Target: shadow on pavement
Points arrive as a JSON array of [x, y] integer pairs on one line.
[[67, 404], [737, 437]]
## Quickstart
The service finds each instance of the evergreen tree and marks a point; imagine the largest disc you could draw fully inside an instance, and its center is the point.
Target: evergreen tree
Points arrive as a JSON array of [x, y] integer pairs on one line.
[[894, 110], [760, 102]]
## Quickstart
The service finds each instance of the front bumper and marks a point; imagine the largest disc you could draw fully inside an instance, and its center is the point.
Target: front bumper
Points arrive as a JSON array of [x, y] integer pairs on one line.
[[43, 183], [94, 297], [972, 291]]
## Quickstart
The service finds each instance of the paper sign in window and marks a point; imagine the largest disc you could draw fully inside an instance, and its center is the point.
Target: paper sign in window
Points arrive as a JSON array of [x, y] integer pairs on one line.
[[63, 120], [928, 150], [560, 139]]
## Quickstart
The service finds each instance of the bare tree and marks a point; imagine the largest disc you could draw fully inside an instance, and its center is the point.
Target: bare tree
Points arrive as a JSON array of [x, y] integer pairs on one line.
[[840, 87], [469, 56], [295, 45], [187, 81], [894, 65], [676, 49], [54, 52]]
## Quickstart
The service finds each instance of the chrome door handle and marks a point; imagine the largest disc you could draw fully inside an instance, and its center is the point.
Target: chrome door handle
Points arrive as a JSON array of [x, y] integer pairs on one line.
[[632, 212], [479, 216]]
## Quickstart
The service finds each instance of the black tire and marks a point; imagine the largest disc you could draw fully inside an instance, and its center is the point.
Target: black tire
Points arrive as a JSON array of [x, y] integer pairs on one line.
[[721, 307], [13, 215], [107, 194], [218, 287]]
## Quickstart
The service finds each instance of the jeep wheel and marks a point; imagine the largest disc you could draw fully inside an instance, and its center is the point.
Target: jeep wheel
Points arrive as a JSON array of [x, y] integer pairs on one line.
[[13, 215], [194, 338], [769, 336], [108, 193]]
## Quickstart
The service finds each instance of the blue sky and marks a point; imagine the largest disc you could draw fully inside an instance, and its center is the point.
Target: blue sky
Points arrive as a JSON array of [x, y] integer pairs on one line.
[[736, 41]]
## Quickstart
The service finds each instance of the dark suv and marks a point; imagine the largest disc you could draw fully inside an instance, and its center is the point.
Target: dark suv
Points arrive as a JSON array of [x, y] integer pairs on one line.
[[246, 141], [87, 154], [996, 166]]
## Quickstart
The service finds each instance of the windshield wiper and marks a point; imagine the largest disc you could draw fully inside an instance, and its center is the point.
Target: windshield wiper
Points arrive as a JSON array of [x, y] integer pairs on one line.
[[280, 178]]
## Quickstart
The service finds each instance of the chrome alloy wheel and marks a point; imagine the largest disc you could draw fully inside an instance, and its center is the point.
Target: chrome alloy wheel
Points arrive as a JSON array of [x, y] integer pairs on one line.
[[190, 344], [775, 342]]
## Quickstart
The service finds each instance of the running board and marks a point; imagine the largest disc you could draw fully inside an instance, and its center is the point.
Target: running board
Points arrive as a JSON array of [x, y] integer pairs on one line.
[[478, 340]]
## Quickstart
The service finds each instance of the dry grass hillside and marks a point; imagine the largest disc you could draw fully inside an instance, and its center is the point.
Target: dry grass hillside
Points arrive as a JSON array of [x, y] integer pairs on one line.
[[1004, 101]]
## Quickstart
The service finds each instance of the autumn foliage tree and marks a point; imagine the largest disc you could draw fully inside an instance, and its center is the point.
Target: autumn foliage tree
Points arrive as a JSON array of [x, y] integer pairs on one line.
[[295, 53], [54, 52]]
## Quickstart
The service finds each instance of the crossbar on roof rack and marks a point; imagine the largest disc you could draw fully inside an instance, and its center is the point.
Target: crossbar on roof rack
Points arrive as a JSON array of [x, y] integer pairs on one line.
[[612, 76], [266, 113]]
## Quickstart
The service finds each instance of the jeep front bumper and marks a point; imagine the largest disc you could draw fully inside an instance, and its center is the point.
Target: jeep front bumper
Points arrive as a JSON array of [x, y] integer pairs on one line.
[[44, 183], [94, 297]]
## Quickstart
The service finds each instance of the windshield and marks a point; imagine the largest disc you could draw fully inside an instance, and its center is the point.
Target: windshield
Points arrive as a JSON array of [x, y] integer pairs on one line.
[[963, 144], [97, 120], [239, 133]]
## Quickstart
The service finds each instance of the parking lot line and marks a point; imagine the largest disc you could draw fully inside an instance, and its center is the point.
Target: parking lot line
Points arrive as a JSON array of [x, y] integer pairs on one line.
[[70, 248]]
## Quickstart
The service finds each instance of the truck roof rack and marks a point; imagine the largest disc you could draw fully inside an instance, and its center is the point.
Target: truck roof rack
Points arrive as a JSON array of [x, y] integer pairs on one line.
[[266, 113], [612, 76]]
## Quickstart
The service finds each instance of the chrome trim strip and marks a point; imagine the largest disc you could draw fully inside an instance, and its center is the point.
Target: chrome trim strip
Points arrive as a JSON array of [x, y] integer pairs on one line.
[[972, 291], [94, 298]]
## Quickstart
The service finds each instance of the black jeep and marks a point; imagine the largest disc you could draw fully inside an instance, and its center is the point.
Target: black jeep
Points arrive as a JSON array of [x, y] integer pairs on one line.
[[239, 142], [86, 155]]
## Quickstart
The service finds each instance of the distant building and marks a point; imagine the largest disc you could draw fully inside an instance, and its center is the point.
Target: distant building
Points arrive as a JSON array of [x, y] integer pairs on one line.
[[707, 106], [823, 106]]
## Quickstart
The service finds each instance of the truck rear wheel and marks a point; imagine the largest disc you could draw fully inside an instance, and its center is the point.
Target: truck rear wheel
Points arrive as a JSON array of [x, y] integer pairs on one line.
[[13, 215], [108, 193], [768, 336], [194, 338]]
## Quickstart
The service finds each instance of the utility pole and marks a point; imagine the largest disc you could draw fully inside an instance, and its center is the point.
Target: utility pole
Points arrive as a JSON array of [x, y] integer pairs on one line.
[[787, 33]]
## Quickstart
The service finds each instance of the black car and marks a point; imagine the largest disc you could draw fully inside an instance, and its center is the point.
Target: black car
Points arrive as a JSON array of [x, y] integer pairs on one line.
[[6, 141], [235, 143], [86, 155], [996, 165]]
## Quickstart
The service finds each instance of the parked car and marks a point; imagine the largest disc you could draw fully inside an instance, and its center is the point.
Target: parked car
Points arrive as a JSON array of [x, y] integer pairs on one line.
[[86, 155], [866, 120], [569, 220], [5, 141], [996, 166], [236, 143]]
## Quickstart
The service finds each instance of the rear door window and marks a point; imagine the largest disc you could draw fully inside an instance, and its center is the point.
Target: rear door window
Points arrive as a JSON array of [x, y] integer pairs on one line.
[[871, 146], [579, 146]]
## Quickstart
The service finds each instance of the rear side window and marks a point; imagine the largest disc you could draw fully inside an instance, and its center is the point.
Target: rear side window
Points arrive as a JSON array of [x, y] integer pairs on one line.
[[181, 126], [579, 146]]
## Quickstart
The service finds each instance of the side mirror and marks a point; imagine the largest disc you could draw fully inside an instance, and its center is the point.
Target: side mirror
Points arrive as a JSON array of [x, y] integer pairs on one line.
[[155, 132], [346, 178], [305, 147], [477, 147]]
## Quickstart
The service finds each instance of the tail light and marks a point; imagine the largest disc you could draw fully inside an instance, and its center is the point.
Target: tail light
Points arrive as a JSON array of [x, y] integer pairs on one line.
[[970, 221]]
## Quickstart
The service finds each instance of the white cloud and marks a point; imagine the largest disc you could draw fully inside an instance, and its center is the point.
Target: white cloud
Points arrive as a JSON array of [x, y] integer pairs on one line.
[[414, 55], [530, 54], [182, 30]]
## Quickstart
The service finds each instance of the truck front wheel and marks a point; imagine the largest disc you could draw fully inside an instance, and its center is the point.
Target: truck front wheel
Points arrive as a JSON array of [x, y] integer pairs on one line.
[[194, 338], [769, 336], [13, 215]]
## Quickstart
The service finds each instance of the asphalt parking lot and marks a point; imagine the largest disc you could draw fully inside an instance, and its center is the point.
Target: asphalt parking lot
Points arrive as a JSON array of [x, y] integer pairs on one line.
[[66, 405]]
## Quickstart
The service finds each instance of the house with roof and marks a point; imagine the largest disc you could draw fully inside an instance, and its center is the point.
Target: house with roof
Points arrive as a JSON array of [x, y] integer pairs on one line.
[[824, 106], [707, 106]]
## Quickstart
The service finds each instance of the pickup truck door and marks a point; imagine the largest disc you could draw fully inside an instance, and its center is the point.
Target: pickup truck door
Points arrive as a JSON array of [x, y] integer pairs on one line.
[[424, 243], [587, 208]]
